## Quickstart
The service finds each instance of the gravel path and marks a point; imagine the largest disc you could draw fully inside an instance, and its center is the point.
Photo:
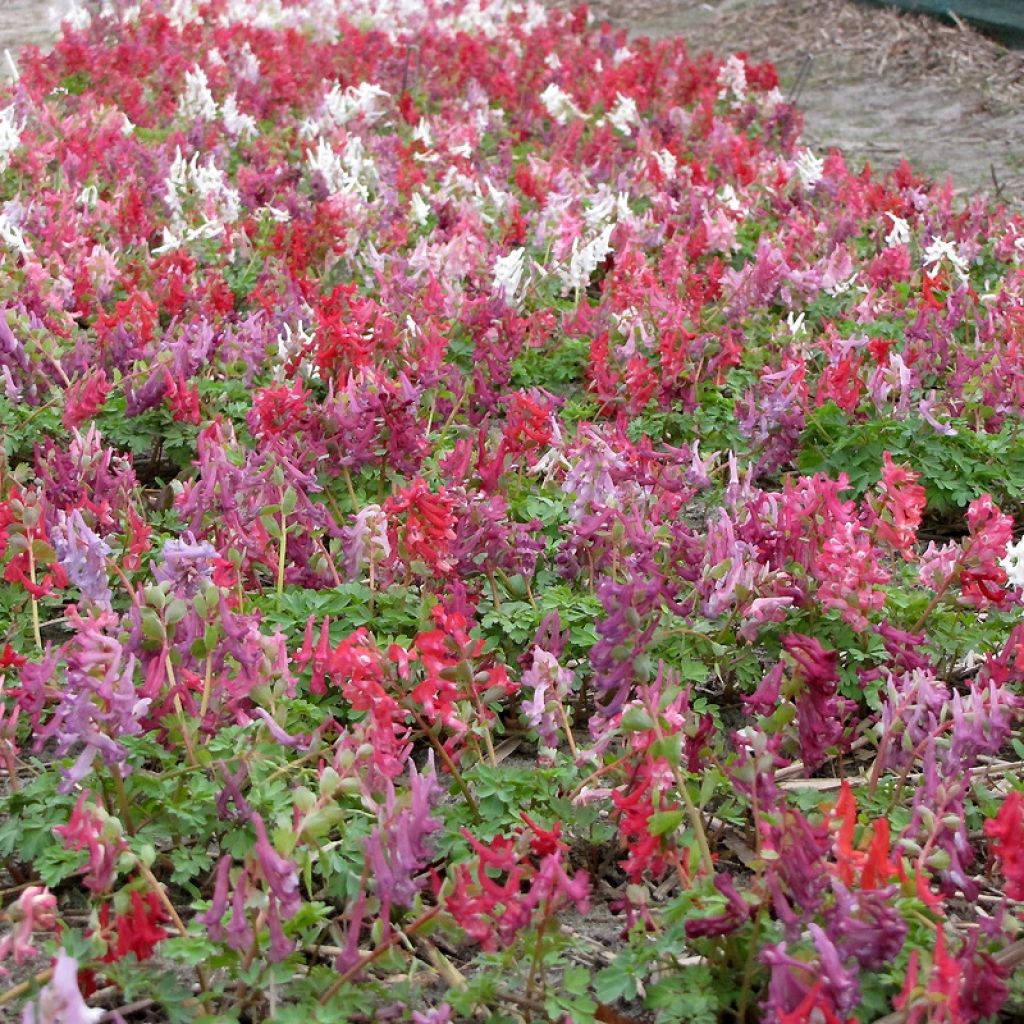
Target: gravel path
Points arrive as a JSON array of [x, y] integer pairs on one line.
[[25, 21]]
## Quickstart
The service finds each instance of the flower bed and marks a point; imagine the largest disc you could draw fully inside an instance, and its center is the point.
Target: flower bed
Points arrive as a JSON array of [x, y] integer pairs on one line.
[[495, 529]]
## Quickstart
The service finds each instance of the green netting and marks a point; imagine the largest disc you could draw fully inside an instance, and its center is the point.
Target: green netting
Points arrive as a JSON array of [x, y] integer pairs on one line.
[[1003, 19]]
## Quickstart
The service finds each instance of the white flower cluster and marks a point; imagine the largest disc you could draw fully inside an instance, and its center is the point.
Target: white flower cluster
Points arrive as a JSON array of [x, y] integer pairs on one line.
[[11, 236], [10, 135], [508, 274], [203, 188], [940, 250], [350, 173], [197, 103], [732, 79], [900, 233], [365, 100], [810, 168], [1013, 564], [586, 259], [559, 104], [624, 114]]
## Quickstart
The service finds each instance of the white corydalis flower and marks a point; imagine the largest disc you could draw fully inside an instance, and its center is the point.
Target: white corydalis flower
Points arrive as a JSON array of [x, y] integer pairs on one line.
[[508, 274], [1012, 564], [241, 126], [352, 173], [197, 102], [732, 79], [624, 114], [419, 208], [11, 235], [586, 259], [364, 100], [10, 135], [422, 134], [940, 250], [666, 161], [900, 233], [76, 17], [559, 104], [810, 168]]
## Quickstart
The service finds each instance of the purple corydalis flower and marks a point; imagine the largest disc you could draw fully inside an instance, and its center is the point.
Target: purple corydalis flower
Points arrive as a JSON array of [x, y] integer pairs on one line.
[[398, 848], [83, 554], [820, 710], [736, 913], [99, 703], [278, 872], [185, 564], [864, 924]]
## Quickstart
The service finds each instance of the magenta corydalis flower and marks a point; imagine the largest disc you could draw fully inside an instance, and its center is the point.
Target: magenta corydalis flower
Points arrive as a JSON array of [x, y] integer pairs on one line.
[[398, 848]]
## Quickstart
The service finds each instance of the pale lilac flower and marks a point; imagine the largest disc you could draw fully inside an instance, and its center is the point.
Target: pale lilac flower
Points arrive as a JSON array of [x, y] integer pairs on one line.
[[185, 564], [98, 704], [61, 1002], [82, 554], [366, 540], [551, 685]]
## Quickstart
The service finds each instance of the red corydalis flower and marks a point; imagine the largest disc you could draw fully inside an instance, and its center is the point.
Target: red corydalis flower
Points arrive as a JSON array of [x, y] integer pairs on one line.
[[138, 931], [899, 508], [422, 525], [279, 410], [940, 1001], [183, 400], [1006, 830], [9, 657], [85, 397], [870, 867]]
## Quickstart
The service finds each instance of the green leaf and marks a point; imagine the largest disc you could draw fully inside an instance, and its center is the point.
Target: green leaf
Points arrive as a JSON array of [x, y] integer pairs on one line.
[[662, 822]]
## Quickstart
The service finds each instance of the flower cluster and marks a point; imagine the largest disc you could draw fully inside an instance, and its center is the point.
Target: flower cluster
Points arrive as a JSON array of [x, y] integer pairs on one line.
[[465, 473]]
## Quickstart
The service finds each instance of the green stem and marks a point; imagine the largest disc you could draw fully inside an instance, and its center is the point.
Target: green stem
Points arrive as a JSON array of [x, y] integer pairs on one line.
[[123, 806], [692, 811], [35, 604], [281, 554], [448, 763]]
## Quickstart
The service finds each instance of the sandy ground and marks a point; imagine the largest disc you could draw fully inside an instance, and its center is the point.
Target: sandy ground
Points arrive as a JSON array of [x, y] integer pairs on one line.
[[24, 21]]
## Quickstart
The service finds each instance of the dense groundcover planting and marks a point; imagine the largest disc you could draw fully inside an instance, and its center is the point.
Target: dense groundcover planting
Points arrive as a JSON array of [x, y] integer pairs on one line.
[[494, 528]]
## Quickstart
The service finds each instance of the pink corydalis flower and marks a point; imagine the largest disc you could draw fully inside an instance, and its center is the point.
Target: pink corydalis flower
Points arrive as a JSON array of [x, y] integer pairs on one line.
[[36, 907], [550, 685], [91, 828], [899, 507]]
